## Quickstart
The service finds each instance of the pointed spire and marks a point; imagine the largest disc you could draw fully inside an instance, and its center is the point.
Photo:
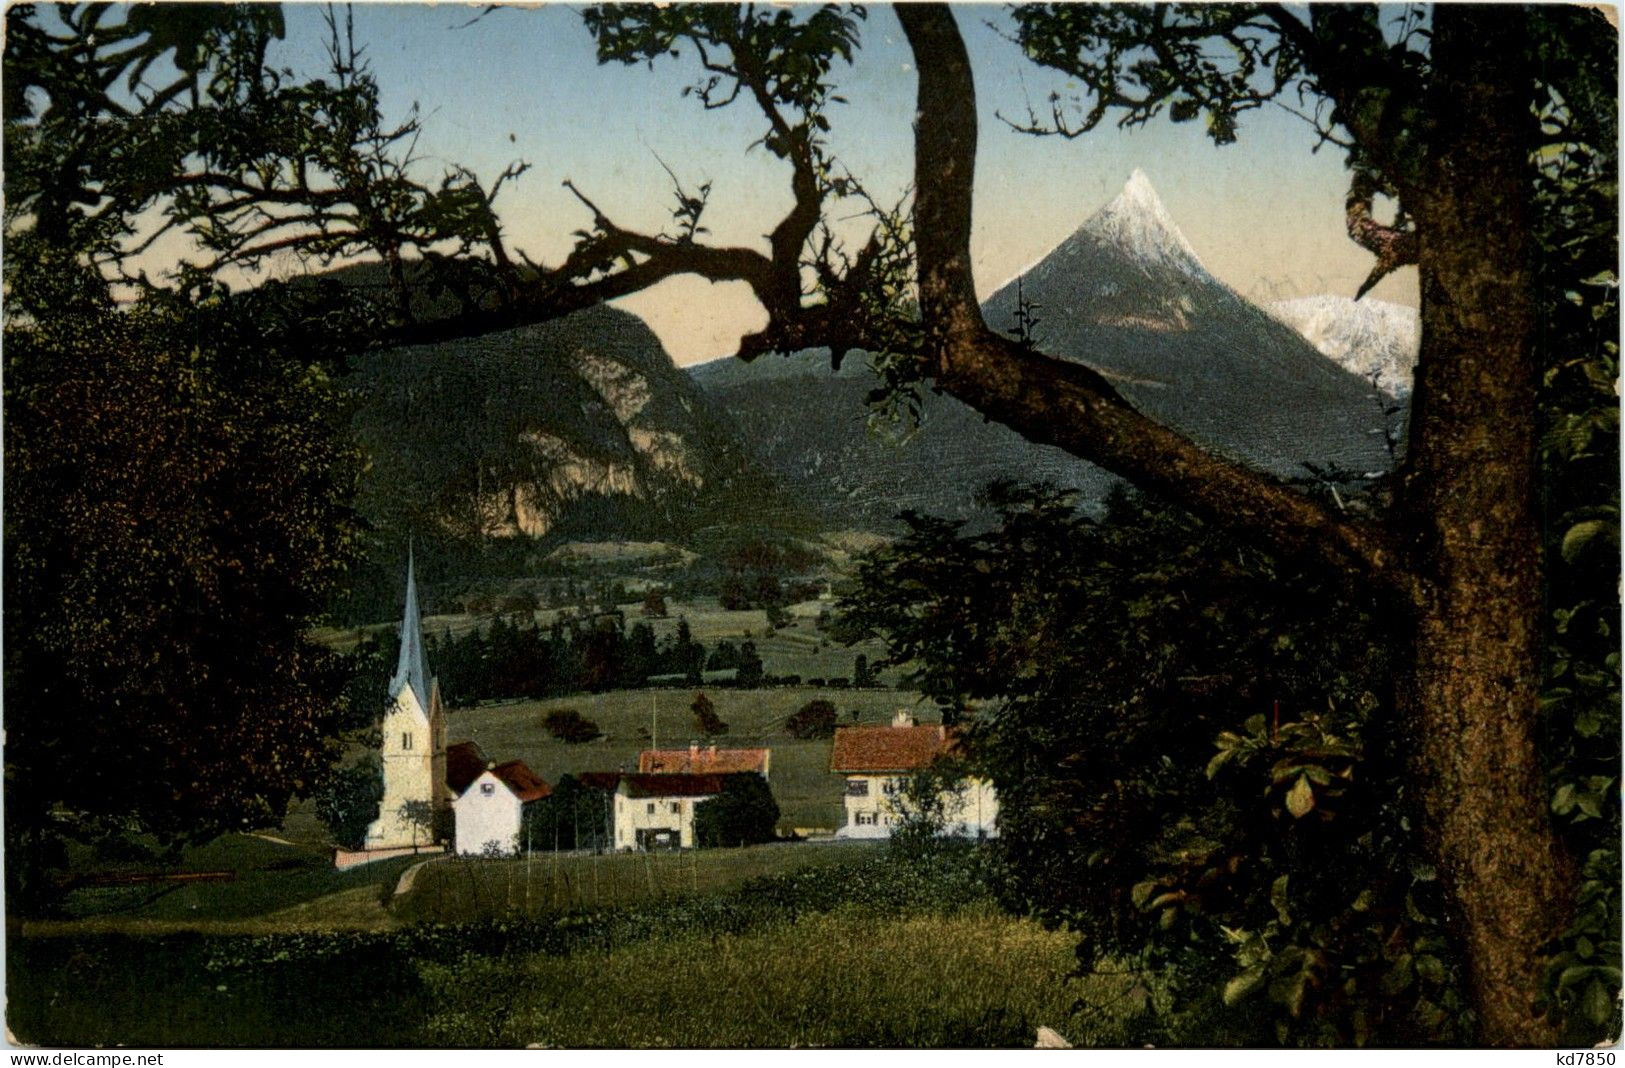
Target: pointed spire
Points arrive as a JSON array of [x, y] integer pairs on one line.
[[412, 669]]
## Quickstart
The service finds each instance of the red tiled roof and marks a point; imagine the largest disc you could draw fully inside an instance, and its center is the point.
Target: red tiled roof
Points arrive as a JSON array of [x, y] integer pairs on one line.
[[882, 749], [465, 762], [526, 784], [709, 760], [673, 785]]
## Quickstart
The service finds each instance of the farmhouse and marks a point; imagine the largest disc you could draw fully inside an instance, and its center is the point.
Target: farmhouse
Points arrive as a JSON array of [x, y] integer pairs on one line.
[[878, 762], [656, 811], [416, 806], [705, 761], [491, 811]]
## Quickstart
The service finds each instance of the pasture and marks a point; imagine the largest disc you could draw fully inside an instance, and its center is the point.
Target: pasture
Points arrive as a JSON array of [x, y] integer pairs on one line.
[[809, 796], [789, 945], [972, 978], [462, 889]]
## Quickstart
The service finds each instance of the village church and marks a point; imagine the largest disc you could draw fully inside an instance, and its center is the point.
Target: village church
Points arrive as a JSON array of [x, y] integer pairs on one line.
[[416, 806]]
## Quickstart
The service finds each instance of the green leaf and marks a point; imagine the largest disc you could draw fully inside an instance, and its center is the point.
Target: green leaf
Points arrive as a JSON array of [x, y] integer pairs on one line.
[[1300, 800], [1244, 985], [1142, 893], [1581, 535], [1597, 1006], [1278, 899]]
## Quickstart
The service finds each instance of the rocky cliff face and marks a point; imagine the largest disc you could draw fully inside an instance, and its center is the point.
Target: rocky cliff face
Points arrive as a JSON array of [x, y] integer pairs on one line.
[[514, 433]]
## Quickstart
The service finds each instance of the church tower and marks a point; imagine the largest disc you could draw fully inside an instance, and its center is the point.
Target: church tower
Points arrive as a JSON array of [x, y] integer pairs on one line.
[[416, 803]]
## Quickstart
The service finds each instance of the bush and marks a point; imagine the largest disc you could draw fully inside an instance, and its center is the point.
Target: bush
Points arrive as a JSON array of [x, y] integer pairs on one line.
[[349, 802], [815, 719], [568, 725], [743, 814], [706, 720]]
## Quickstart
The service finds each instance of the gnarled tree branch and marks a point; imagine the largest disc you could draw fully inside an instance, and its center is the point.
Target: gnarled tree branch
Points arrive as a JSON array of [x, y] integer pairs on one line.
[[1056, 402]]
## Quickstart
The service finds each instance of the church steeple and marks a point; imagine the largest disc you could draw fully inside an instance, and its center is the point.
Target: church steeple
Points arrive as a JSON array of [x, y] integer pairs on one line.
[[412, 669]]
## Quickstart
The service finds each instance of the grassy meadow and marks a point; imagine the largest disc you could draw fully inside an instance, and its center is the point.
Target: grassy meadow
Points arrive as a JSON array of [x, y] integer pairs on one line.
[[463, 889], [788, 945], [809, 796], [278, 885], [968, 979]]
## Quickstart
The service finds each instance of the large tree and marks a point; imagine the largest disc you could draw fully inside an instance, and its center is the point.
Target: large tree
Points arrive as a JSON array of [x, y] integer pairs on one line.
[[1452, 115]]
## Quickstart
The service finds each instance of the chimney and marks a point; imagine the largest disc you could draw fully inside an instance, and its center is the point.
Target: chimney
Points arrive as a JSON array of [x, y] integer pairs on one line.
[[713, 753], [693, 754], [903, 718]]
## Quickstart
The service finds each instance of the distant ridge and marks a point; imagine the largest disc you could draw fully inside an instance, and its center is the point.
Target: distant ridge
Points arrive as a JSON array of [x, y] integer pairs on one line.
[[1127, 295], [1366, 337]]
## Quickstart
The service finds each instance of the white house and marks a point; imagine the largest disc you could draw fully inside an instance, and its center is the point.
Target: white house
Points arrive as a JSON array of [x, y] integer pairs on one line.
[[656, 811], [878, 763], [416, 805], [491, 812]]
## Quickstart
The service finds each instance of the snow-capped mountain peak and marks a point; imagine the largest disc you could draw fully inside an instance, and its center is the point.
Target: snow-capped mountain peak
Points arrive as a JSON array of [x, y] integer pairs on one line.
[[1367, 337], [1136, 222]]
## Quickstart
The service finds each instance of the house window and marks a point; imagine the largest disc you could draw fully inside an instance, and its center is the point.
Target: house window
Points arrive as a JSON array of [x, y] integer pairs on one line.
[[406, 739], [676, 807], [889, 787], [863, 819], [651, 808], [488, 788], [857, 788]]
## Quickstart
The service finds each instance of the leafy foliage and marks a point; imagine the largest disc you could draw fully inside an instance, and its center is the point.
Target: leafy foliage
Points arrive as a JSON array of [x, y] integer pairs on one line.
[[1199, 734], [744, 813], [348, 802], [815, 719], [176, 517], [706, 720], [568, 725], [1576, 201], [572, 817]]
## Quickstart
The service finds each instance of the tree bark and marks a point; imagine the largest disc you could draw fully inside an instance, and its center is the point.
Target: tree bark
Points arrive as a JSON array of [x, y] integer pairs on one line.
[[1469, 504]]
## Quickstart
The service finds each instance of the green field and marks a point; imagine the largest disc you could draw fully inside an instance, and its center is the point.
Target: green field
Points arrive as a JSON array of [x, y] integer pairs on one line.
[[278, 885], [786, 945], [461, 889], [809, 796], [848, 978]]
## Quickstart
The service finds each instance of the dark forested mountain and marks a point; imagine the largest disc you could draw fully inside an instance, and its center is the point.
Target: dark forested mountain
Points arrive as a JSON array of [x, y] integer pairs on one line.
[[512, 433], [1124, 294], [577, 428]]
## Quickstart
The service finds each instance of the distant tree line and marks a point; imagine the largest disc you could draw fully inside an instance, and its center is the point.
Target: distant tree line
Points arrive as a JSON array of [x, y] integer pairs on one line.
[[522, 659]]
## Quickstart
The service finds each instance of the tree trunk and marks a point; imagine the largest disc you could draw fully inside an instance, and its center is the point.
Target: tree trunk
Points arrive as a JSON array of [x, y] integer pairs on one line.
[[1469, 498]]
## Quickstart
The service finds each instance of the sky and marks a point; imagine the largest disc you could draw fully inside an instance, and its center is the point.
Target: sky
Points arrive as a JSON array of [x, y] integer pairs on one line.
[[1265, 214]]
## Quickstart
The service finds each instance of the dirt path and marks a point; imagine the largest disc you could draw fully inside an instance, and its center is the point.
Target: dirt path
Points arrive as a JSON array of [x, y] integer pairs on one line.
[[409, 876]]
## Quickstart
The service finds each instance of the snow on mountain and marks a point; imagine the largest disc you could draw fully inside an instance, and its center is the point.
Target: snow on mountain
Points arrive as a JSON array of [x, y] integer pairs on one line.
[[1137, 223], [1366, 336], [1124, 294], [1127, 295]]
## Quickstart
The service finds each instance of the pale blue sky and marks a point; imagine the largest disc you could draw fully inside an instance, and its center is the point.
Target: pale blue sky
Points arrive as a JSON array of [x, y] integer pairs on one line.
[[1265, 215]]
